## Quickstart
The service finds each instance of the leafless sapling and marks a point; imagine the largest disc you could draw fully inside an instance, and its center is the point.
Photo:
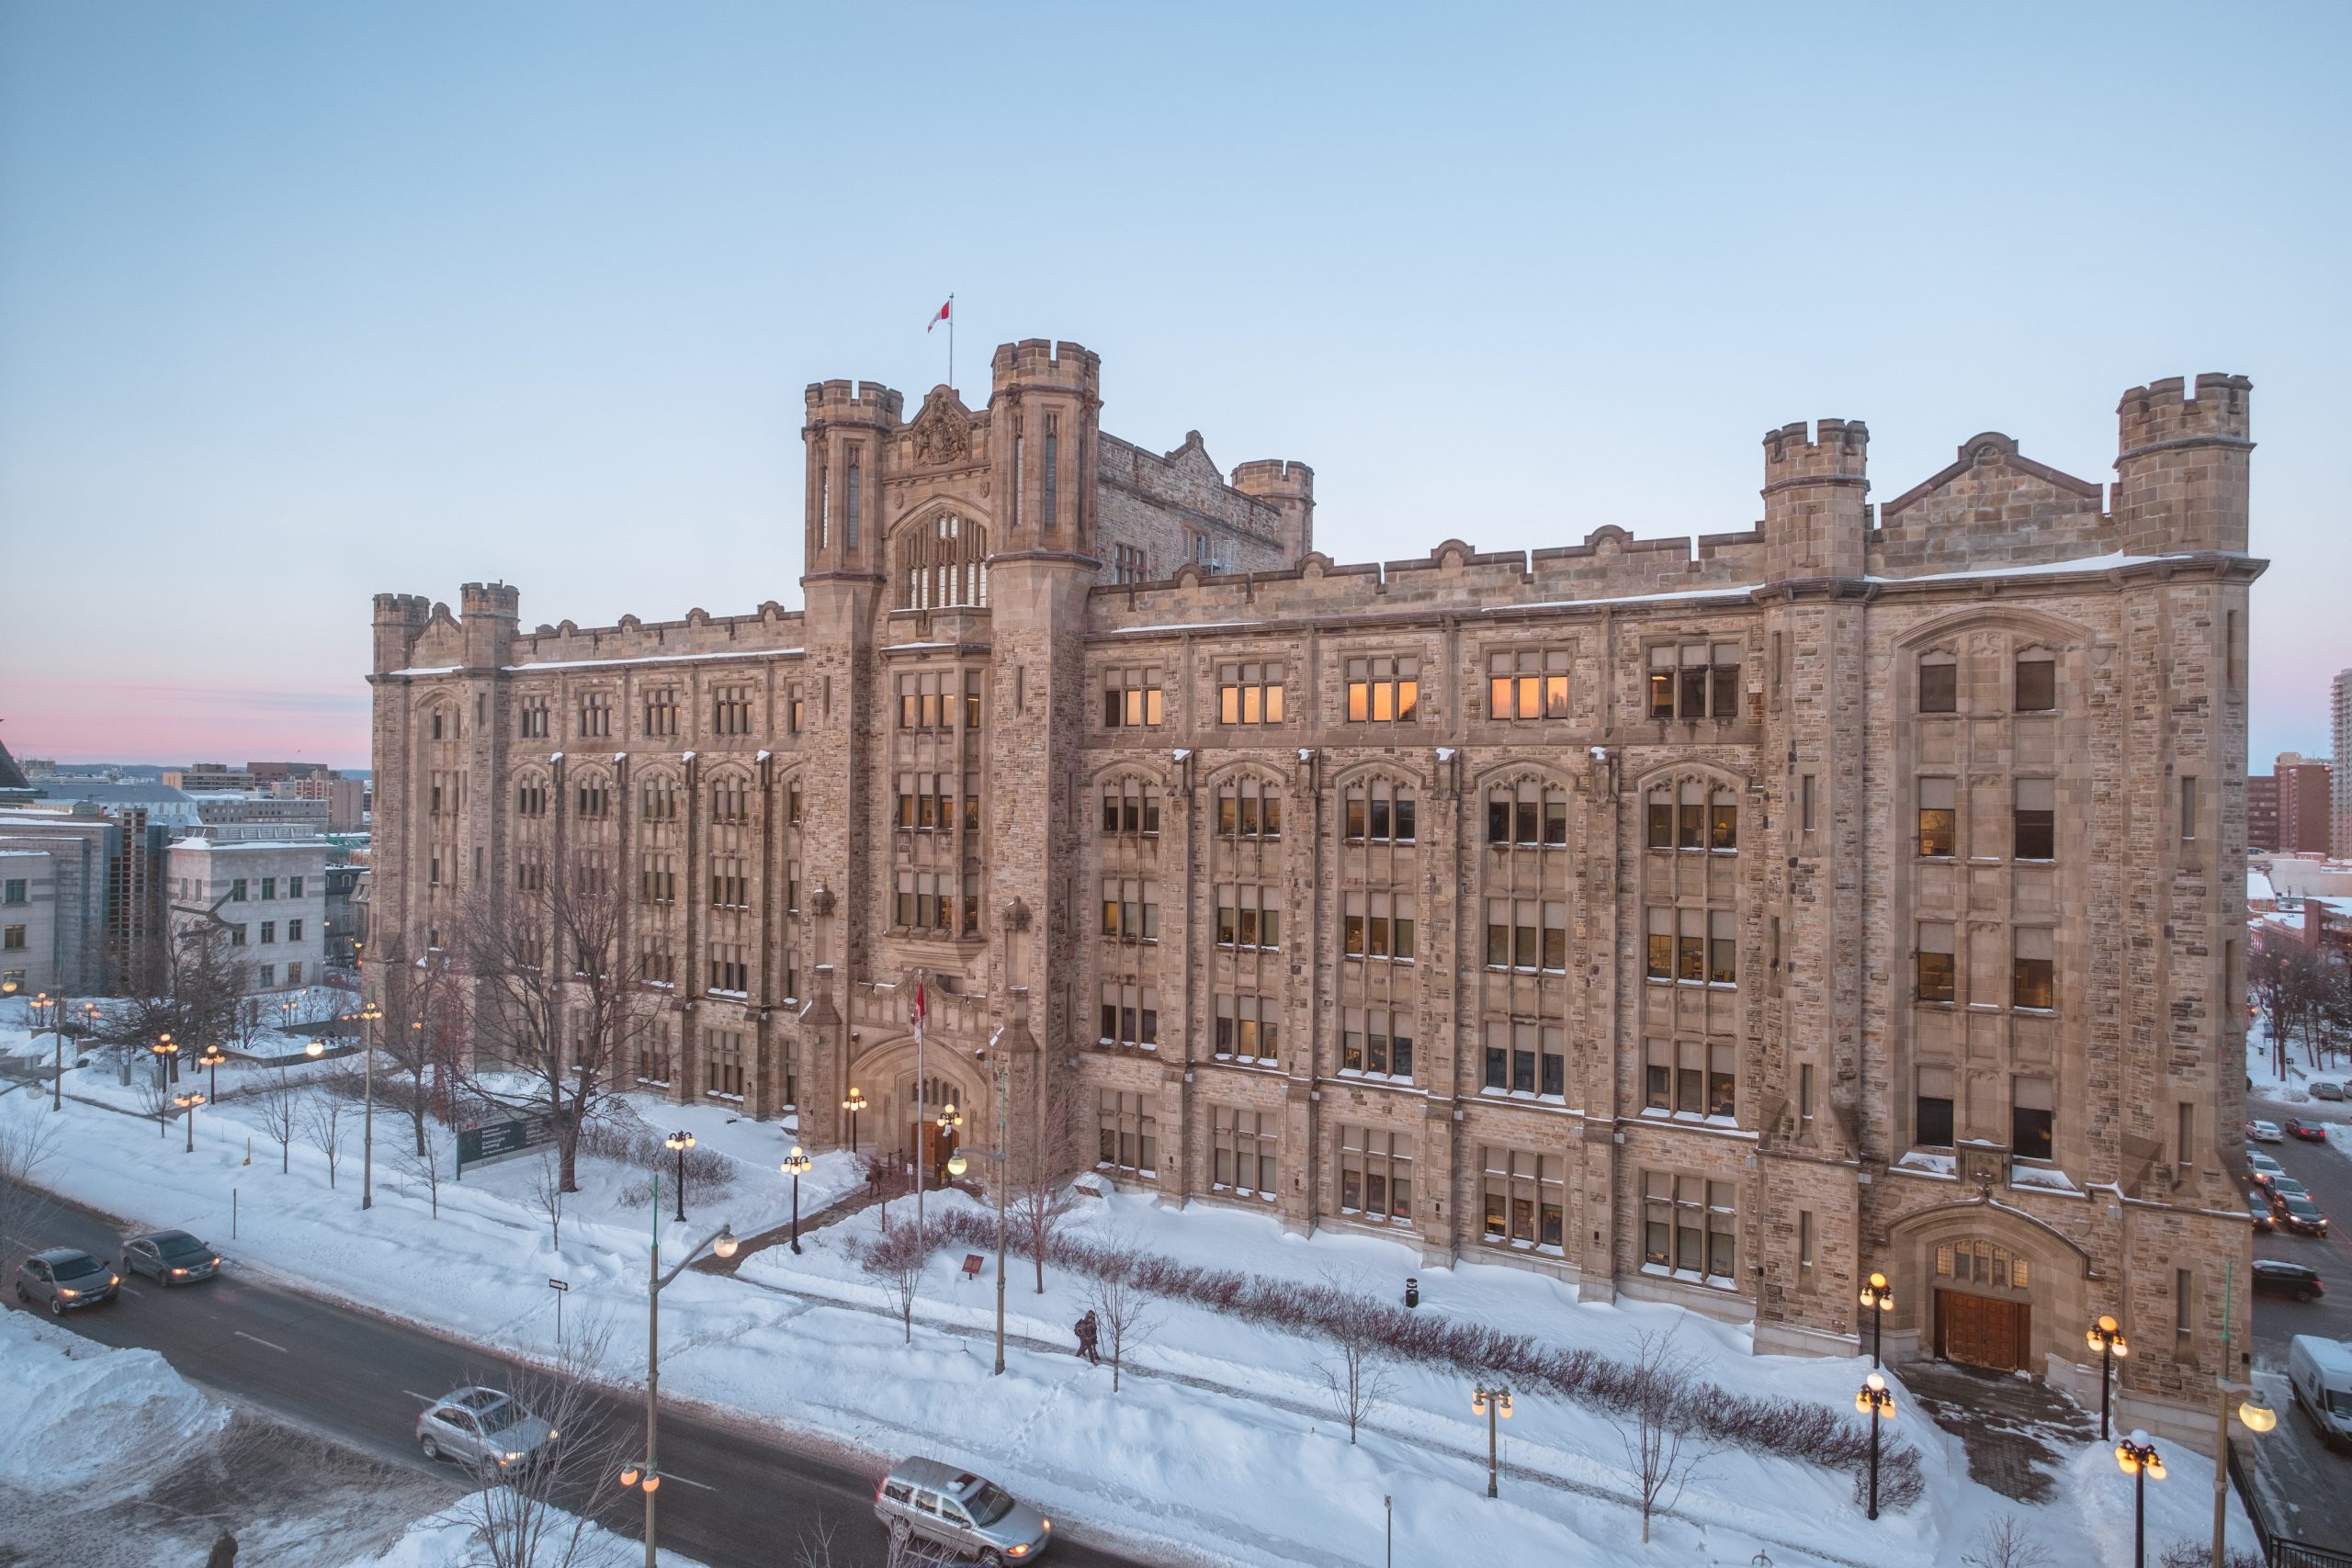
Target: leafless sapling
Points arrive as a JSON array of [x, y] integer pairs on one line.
[[895, 1258], [1042, 1196], [276, 1100], [26, 1141], [547, 1196], [424, 1167], [535, 1515], [1663, 1450], [322, 1116], [2007, 1542], [1354, 1368], [1123, 1311]]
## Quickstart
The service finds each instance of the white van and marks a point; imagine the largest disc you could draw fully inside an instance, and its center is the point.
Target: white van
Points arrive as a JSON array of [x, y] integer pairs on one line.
[[2321, 1370]]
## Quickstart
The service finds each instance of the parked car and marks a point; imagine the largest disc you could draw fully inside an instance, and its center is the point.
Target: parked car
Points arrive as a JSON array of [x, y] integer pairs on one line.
[[2263, 1166], [2301, 1216], [2265, 1132], [960, 1511], [2310, 1131], [2258, 1210], [484, 1429], [2322, 1088], [2283, 1187], [170, 1258], [2276, 1277], [66, 1277]]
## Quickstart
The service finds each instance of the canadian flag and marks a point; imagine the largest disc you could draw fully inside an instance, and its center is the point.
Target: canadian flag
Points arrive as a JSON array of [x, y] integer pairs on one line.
[[921, 1008], [943, 312]]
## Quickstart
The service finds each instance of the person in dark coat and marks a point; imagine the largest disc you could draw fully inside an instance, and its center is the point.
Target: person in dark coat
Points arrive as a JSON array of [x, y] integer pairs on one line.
[[1087, 1333]]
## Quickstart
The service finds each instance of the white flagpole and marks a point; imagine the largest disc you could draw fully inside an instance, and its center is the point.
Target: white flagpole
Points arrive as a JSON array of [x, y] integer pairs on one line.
[[951, 345]]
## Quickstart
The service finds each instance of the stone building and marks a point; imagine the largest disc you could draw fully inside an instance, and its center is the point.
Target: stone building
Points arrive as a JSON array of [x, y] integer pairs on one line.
[[1712, 921], [266, 895]]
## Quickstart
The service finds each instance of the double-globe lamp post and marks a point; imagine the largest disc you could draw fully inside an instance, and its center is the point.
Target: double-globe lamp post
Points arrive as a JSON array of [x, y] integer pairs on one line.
[[1491, 1403], [795, 1164], [1878, 1299], [2106, 1336], [188, 1103], [2140, 1460], [854, 1104], [210, 1057], [165, 1050], [678, 1144], [645, 1474], [1877, 1402]]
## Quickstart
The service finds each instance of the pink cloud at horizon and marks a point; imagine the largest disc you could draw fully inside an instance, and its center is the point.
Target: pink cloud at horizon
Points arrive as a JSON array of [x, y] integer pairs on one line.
[[77, 720]]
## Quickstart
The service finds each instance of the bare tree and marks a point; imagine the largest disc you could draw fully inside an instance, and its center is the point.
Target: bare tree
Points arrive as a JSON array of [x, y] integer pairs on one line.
[[1355, 1371], [902, 1549], [523, 1516], [558, 1007], [1042, 1197], [26, 1141], [276, 1100], [187, 984], [424, 1167], [1662, 1447], [322, 1120], [895, 1258], [423, 1033], [1123, 1311], [2007, 1542], [547, 1196]]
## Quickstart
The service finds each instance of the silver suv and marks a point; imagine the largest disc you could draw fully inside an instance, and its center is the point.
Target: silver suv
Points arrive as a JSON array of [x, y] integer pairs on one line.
[[66, 1277], [954, 1508], [487, 1431]]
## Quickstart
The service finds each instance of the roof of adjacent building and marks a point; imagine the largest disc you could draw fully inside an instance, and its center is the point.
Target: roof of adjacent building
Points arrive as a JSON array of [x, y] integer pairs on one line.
[[11, 775]]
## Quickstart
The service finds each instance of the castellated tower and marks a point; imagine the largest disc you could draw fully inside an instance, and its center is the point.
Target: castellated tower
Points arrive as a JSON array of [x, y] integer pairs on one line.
[[1814, 516], [1043, 408], [2181, 466], [1290, 488]]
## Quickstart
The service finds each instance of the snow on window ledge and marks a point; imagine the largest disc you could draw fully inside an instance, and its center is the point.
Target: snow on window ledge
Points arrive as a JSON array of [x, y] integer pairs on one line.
[[1927, 1164]]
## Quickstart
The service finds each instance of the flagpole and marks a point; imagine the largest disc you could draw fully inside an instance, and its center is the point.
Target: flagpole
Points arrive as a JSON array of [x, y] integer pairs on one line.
[[951, 379], [922, 1081]]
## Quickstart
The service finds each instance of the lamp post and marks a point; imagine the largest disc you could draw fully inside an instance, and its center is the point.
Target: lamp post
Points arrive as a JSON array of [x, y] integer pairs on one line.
[[2139, 1460], [949, 1120], [854, 1104], [315, 1049], [367, 1017], [90, 1015], [211, 1056], [188, 1103], [1878, 1294], [1877, 1402], [794, 1165], [1490, 1402], [678, 1142], [2106, 1336], [2255, 1410], [647, 1475], [164, 1051]]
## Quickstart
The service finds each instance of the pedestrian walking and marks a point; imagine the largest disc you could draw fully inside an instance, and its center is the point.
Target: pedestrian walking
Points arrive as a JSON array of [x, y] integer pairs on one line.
[[1086, 1332]]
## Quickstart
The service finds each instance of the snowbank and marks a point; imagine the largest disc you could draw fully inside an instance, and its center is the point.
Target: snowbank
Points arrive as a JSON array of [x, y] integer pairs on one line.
[[88, 1420], [445, 1540]]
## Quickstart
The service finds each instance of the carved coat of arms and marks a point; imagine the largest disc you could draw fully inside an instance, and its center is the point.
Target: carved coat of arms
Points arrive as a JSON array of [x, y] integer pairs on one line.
[[942, 433]]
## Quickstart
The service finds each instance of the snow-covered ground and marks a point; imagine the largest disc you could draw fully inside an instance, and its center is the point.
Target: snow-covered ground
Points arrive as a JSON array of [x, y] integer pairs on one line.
[[1226, 1447]]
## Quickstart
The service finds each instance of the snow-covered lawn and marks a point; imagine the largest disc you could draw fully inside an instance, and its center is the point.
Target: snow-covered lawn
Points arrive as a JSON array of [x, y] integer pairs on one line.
[[1226, 1448]]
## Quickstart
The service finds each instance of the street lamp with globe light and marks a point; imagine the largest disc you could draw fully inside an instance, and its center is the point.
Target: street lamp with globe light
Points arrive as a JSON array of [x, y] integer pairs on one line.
[[2138, 1459], [647, 1475], [1490, 1402], [1877, 1402], [1880, 1295], [678, 1142], [854, 1103], [795, 1164], [2106, 1336], [188, 1103]]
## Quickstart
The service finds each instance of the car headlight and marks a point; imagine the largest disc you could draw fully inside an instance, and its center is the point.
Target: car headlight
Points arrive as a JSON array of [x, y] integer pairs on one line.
[[513, 1457], [114, 1278], [1016, 1552], [67, 1292], [179, 1271]]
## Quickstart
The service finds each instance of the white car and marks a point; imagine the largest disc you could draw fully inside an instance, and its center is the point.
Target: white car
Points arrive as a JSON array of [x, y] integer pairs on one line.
[[2265, 1132]]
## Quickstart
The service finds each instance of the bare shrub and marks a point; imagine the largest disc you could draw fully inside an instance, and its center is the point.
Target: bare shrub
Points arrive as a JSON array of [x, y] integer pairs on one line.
[[895, 1260], [2006, 1542], [276, 1100], [547, 1196], [1123, 1308], [619, 1134], [1040, 1198], [818, 1548], [27, 1143], [422, 1165], [2183, 1554]]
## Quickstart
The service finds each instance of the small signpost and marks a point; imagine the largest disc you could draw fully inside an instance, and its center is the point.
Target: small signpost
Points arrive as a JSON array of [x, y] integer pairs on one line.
[[481, 1142], [558, 1287]]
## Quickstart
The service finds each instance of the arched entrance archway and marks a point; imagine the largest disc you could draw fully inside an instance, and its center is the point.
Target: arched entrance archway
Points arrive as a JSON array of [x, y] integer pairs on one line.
[[908, 1103], [1996, 1287]]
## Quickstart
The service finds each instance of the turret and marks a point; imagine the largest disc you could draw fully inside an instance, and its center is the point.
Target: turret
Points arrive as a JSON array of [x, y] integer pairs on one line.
[[1813, 518], [2180, 466], [848, 432], [488, 611], [400, 621], [1044, 401], [1289, 487]]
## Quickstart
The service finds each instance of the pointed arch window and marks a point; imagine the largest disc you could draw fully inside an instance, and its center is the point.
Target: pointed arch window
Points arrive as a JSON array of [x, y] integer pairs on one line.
[[944, 565]]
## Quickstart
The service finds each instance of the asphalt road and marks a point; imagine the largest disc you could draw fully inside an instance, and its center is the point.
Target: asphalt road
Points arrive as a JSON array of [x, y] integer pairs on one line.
[[741, 1498], [2307, 1488]]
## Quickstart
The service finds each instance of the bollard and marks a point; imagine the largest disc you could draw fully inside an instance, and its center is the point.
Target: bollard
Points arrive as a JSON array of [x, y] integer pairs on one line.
[[1412, 1290], [233, 1213]]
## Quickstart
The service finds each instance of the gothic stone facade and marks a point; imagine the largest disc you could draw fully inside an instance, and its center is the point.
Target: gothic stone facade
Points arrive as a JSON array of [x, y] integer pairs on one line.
[[1710, 923]]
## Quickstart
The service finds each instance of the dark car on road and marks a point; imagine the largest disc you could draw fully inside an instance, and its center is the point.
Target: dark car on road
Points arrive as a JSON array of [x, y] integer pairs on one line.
[[2300, 1215], [170, 1258], [2310, 1131], [65, 1278], [2258, 1209], [2323, 1089], [2276, 1277]]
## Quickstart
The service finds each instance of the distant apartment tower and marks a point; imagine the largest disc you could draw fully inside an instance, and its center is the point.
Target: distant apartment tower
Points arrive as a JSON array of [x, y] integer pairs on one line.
[[2304, 792], [2340, 787], [2261, 812]]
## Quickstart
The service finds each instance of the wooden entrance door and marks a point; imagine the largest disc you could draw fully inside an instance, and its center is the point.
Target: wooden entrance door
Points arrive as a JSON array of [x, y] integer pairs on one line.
[[1983, 1331]]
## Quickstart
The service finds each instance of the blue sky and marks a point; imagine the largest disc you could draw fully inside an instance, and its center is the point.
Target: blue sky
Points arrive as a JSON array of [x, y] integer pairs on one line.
[[299, 302]]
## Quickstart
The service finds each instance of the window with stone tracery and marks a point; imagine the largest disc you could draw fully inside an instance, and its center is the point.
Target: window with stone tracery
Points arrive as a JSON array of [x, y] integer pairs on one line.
[[942, 564]]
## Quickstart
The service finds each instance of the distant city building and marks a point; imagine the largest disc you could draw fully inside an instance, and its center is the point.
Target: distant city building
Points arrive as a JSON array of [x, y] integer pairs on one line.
[[105, 869], [347, 799], [2340, 787], [2261, 812], [269, 896], [32, 952], [310, 816], [2305, 806], [343, 913], [39, 768]]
